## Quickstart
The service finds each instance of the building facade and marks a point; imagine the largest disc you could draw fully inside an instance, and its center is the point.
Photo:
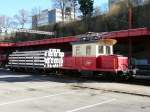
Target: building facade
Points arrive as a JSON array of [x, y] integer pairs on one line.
[[53, 16], [43, 19]]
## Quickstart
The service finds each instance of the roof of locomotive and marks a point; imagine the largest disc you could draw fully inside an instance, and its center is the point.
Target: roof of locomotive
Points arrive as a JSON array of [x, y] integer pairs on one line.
[[97, 38]]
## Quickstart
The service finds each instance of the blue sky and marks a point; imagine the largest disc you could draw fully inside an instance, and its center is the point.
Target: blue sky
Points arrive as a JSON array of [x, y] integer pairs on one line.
[[11, 7]]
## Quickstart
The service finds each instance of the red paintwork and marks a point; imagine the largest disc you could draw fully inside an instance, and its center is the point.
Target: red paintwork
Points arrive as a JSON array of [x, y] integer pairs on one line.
[[108, 63], [114, 62], [122, 63], [80, 63], [89, 63], [69, 62], [6, 44]]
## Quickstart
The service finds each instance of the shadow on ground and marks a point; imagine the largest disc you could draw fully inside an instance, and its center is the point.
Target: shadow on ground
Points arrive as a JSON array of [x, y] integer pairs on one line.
[[8, 76]]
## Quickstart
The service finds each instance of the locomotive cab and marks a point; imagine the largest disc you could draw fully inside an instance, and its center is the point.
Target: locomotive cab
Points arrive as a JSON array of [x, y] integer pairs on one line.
[[93, 48]]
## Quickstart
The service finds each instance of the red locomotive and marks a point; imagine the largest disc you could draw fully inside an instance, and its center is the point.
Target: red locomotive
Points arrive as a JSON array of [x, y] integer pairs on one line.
[[91, 55], [95, 57]]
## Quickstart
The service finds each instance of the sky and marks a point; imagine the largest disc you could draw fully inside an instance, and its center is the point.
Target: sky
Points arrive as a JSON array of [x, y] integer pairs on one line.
[[11, 7]]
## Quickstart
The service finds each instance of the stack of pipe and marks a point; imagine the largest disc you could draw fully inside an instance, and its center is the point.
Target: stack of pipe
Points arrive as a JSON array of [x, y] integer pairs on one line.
[[52, 58]]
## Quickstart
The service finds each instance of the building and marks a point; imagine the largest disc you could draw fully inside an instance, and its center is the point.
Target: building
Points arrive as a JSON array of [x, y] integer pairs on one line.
[[34, 21], [53, 16], [43, 18], [134, 2]]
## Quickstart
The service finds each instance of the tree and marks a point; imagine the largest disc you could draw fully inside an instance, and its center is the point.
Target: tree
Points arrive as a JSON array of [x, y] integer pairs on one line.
[[13, 24], [61, 4], [148, 12], [36, 11], [97, 11], [86, 7], [74, 4], [22, 17], [68, 13], [36, 14]]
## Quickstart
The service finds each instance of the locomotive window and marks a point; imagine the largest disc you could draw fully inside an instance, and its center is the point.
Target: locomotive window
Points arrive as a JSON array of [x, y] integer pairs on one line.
[[100, 49], [108, 50], [88, 50], [78, 50]]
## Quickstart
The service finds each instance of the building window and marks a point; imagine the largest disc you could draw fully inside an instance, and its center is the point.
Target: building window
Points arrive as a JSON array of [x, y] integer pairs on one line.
[[88, 50], [108, 50], [78, 50], [101, 49]]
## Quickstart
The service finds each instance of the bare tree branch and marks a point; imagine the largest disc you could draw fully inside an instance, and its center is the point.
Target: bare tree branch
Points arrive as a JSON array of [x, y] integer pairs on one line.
[[61, 4], [22, 17]]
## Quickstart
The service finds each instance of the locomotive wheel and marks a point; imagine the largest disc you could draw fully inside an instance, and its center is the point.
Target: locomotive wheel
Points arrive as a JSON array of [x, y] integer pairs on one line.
[[72, 73], [109, 76], [120, 76]]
